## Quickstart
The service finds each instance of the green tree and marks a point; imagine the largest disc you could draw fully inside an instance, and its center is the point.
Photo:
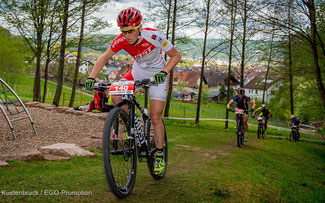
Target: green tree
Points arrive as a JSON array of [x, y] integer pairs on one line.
[[12, 52], [87, 7], [29, 18], [223, 92]]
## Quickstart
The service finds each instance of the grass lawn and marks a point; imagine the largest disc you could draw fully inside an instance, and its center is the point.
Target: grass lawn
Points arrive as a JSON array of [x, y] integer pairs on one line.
[[205, 165], [24, 89]]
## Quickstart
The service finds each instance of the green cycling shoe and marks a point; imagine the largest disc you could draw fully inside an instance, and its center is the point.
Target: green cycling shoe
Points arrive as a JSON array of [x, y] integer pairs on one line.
[[159, 165]]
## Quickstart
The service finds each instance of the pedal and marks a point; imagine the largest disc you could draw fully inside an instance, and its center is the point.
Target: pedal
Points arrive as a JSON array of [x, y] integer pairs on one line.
[[141, 155]]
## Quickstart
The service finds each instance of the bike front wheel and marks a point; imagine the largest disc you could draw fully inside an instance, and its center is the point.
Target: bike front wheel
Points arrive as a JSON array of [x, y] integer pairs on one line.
[[262, 131], [239, 134], [152, 148], [119, 153], [291, 137], [259, 131]]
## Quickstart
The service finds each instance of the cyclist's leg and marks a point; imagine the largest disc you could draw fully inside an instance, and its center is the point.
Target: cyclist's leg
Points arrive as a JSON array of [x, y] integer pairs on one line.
[[157, 102], [156, 109], [245, 119], [265, 123]]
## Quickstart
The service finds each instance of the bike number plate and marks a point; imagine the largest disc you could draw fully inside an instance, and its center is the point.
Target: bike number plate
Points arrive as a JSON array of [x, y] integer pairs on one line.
[[259, 118], [121, 89], [239, 111]]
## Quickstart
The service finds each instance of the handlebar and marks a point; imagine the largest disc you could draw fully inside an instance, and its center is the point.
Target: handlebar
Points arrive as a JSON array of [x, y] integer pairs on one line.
[[144, 82], [101, 86], [233, 110], [105, 86]]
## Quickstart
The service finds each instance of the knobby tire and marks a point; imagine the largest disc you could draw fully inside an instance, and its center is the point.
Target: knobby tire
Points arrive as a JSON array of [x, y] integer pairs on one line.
[[119, 154]]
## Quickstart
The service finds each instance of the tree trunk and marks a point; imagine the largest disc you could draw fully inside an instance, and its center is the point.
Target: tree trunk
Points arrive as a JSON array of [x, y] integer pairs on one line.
[[197, 119], [313, 30], [37, 78], [75, 78], [268, 65], [39, 25], [242, 65], [290, 64], [58, 91], [46, 75], [232, 31], [170, 81]]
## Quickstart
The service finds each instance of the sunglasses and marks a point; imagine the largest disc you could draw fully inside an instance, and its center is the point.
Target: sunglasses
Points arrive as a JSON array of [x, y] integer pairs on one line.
[[130, 31]]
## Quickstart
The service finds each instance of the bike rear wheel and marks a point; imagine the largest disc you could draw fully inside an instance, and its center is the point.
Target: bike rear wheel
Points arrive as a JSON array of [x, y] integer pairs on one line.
[[152, 148], [119, 153]]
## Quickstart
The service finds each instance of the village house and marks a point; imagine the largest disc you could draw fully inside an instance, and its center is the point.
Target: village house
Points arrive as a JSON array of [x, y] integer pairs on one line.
[[255, 87]]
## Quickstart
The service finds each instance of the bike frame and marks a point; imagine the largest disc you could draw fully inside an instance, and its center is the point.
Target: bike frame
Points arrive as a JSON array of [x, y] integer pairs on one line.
[[240, 127], [132, 103], [240, 120]]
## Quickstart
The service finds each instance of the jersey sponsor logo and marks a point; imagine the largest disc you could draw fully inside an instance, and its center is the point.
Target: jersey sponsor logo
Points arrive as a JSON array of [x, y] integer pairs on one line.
[[145, 44], [154, 37], [145, 53], [159, 39], [117, 42], [164, 44]]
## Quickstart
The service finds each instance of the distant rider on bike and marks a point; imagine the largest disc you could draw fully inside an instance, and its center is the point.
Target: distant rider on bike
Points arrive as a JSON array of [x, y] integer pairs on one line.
[[295, 122], [265, 113], [242, 103], [146, 46]]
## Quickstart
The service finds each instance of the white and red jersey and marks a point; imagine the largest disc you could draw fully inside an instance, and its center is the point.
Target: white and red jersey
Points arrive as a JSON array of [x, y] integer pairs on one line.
[[148, 52], [148, 58]]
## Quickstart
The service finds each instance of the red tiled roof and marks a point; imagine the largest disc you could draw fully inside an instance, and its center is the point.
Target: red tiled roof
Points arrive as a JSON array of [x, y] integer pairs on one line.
[[190, 78]]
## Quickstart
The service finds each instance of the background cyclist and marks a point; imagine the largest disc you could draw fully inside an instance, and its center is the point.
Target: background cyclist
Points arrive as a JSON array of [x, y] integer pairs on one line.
[[146, 46], [295, 122], [265, 113], [242, 103]]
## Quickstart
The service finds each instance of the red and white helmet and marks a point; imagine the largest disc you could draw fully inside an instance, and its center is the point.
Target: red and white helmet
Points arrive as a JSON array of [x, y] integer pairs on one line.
[[129, 17]]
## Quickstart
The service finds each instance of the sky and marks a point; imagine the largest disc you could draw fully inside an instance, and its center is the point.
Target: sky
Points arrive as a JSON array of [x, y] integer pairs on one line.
[[113, 8]]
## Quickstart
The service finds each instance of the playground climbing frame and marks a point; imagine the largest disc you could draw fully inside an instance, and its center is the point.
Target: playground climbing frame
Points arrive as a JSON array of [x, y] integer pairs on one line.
[[12, 107]]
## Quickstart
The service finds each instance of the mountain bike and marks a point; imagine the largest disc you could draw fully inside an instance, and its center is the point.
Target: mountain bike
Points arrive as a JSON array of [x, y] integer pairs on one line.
[[260, 127], [126, 138], [239, 126], [294, 136]]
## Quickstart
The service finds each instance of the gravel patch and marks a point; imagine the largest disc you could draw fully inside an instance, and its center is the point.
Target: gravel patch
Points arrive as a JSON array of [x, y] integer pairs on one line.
[[52, 127]]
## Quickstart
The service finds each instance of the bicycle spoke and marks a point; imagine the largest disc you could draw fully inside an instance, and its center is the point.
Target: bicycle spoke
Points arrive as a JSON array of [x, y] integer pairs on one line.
[[120, 153]]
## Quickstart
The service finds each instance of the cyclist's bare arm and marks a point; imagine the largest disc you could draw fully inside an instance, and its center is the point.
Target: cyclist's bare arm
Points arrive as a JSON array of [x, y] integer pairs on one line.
[[253, 103], [229, 104], [101, 62], [175, 57]]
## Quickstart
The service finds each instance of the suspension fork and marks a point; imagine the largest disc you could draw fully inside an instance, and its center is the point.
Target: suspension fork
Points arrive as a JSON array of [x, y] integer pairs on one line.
[[131, 130]]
